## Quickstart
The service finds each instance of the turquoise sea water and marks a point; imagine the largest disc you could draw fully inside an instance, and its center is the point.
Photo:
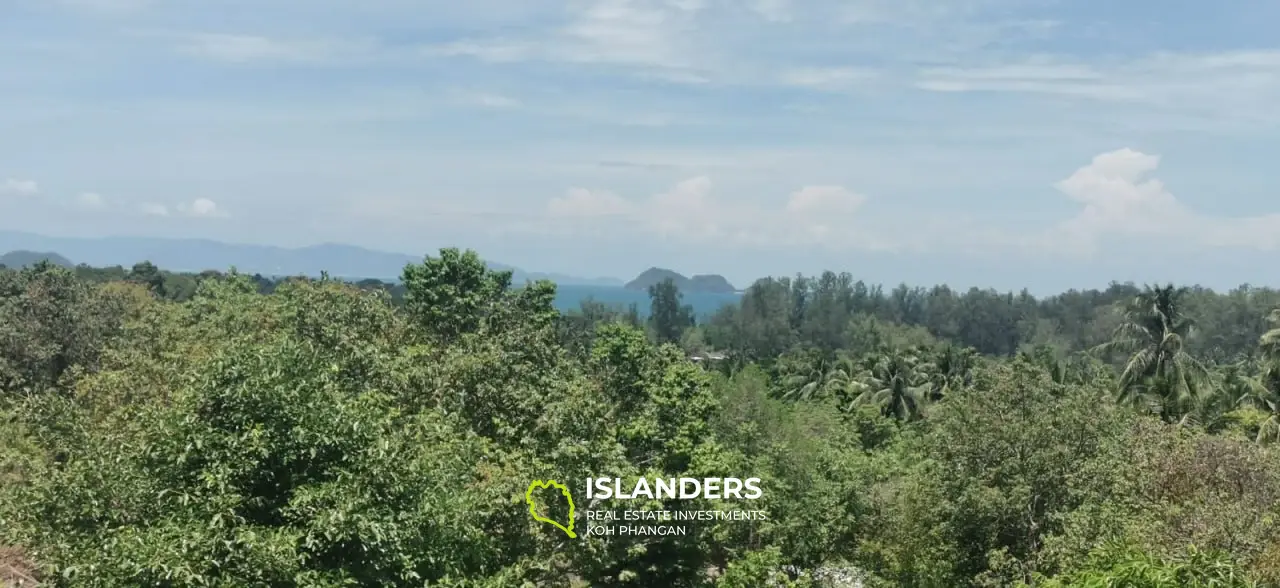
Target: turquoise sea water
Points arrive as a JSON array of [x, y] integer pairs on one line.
[[570, 297]]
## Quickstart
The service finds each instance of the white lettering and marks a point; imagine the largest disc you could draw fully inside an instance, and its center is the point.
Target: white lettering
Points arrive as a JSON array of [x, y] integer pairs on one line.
[[732, 488], [602, 485], [666, 488], [711, 488], [642, 488]]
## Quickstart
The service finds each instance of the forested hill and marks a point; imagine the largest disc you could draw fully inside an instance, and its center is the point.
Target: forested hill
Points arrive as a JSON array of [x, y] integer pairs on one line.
[[162, 429], [22, 258]]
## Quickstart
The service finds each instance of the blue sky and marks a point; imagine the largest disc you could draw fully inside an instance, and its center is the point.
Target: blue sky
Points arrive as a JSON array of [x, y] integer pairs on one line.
[[977, 142]]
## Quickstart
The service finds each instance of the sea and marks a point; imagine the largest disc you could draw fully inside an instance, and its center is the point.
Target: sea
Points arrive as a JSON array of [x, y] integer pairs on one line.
[[570, 297]]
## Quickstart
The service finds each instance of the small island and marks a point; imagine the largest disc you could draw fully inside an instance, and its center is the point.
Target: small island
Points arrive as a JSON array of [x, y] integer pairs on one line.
[[704, 284]]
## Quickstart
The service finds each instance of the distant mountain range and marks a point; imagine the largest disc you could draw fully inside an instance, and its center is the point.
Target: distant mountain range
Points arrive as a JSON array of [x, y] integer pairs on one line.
[[194, 255], [708, 283]]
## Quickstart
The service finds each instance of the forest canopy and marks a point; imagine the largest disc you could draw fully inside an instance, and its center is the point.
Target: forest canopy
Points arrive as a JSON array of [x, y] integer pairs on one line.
[[218, 429]]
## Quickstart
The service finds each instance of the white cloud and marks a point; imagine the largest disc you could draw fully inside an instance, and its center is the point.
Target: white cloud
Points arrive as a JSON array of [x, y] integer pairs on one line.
[[691, 212], [201, 207], [153, 209], [490, 50], [628, 32], [825, 200], [488, 100], [581, 202], [773, 10], [1120, 199], [91, 201], [655, 39], [19, 187], [827, 78], [233, 48], [1228, 85], [1116, 193]]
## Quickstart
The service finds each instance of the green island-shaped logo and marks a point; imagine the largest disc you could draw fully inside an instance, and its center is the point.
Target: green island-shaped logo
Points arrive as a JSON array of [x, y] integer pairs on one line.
[[528, 497]]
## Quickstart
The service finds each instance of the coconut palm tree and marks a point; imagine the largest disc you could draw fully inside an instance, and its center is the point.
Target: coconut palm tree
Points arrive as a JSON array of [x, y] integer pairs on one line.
[[1268, 402], [815, 376], [952, 369], [1244, 385], [1268, 398], [897, 385], [1235, 385], [1159, 373], [1269, 344]]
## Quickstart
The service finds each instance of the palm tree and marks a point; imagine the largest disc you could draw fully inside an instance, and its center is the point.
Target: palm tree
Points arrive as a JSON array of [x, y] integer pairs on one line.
[[1236, 385], [1046, 358], [952, 369], [1244, 385], [896, 385], [815, 377], [1268, 397], [1270, 342], [1269, 402], [1159, 372]]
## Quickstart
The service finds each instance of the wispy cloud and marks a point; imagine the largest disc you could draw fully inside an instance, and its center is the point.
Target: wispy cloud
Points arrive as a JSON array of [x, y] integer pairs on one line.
[[608, 32], [1224, 84], [244, 49], [827, 78], [154, 209], [19, 187], [91, 201], [485, 99], [202, 207]]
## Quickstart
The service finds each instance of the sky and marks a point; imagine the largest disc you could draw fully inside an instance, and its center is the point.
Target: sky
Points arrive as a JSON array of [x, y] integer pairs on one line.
[[1004, 143]]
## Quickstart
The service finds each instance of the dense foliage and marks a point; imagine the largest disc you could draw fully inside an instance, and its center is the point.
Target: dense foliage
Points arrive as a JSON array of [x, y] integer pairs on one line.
[[163, 429]]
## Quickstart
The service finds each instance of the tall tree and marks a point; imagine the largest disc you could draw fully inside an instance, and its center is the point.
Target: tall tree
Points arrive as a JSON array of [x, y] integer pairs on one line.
[[1159, 372], [452, 294], [147, 274], [667, 316]]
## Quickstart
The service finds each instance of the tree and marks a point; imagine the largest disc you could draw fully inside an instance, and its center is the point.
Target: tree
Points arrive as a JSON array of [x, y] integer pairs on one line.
[[1159, 373], [1254, 390], [452, 294], [1269, 343], [897, 384], [811, 374], [668, 319], [952, 370], [1118, 565], [50, 323], [989, 477], [147, 274]]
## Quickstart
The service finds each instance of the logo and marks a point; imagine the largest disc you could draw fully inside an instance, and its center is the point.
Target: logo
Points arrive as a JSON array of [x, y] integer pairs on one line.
[[533, 507]]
